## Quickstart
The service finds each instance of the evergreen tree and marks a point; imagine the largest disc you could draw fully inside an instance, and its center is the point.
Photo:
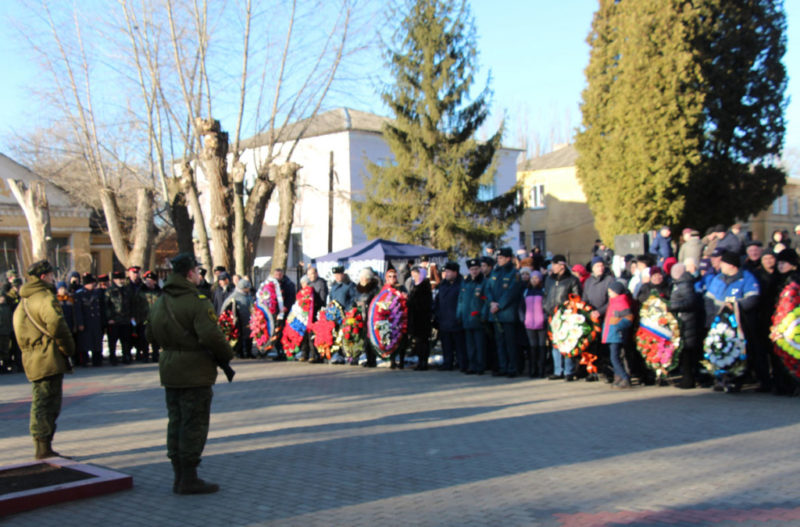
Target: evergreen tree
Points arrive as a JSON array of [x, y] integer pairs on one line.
[[683, 113], [429, 194]]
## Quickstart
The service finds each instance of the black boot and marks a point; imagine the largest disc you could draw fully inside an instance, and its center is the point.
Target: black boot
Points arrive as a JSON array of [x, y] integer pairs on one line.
[[191, 484], [176, 469]]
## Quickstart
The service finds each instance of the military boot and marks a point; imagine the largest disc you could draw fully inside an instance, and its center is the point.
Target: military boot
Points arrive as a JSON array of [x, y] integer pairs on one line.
[[44, 448], [176, 468], [191, 484]]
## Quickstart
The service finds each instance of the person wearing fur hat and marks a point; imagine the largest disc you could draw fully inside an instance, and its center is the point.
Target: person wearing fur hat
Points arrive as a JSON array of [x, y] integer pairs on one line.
[[120, 309], [503, 293], [733, 288], [90, 314], [471, 300]]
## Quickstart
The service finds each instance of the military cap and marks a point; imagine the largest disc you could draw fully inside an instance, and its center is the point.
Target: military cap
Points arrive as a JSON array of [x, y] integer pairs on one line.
[[118, 274], [102, 277], [88, 278], [39, 268], [506, 251], [559, 258], [183, 263], [134, 268], [220, 269], [473, 262], [452, 266], [150, 274], [488, 260], [11, 273], [338, 269]]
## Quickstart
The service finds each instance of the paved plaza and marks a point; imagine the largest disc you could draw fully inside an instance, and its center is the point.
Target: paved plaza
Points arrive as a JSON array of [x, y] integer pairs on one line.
[[301, 444]]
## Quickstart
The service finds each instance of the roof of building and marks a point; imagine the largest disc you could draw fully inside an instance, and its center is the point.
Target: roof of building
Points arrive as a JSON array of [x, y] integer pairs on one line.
[[563, 157], [333, 121]]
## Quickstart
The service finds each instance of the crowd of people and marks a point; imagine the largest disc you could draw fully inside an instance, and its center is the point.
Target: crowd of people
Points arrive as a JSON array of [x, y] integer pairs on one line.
[[494, 319]]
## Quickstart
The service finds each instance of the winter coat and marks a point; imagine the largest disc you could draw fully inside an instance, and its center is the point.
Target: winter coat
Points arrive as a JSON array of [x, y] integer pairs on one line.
[[288, 292], [6, 316], [220, 296], [119, 304], [743, 287], [685, 303], [692, 248], [662, 290], [343, 292], [242, 302], [661, 247], [471, 300], [43, 354], [183, 322], [531, 308], [505, 288], [69, 309], [558, 288], [730, 242], [619, 319], [445, 305], [595, 292], [420, 306], [320, 288]]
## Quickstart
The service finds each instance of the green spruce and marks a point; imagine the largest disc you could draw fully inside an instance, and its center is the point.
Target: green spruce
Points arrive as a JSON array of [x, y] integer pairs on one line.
[[429, 193], [683, 114]]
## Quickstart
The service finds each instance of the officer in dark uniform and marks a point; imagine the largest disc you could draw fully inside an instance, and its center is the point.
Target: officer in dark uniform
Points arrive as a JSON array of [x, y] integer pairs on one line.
[[138, 312], [150, 293], [90, 314], [183, 322], [118, 302]]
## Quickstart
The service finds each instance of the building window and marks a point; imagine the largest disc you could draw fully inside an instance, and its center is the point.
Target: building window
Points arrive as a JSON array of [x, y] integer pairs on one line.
[[522, 241], [536, 200], [539, 241], [781, 206], [8, 254], [59, 254]]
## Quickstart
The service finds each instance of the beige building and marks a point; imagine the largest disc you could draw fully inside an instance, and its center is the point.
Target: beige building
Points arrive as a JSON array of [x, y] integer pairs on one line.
[[557, 218], [74, 246]]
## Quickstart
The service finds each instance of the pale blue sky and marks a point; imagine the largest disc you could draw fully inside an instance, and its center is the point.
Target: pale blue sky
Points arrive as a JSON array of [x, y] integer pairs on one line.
[[535, 49]]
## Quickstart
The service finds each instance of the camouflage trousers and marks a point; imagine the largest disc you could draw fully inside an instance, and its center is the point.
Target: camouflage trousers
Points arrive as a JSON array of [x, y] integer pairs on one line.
[[188, 410], [46, 405]]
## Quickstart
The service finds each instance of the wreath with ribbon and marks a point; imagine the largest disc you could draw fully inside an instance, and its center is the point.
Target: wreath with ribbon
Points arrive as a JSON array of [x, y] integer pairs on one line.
[[658, 338], [227, 323], [350, 334], [785, 330], [724, 346], [267, 307], [297, 322], [573, 328], [387, 321], [326, 329]]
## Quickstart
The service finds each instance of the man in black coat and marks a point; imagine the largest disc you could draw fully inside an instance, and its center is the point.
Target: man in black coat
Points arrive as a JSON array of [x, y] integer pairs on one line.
[[451, 334], [558, 286], [686, 304], [420, 302], [223, 289]]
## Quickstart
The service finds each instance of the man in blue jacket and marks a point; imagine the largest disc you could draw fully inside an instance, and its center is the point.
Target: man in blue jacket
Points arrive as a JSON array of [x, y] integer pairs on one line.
[[342, 290], [503, 292], [662, 246], [445, 306], [471, 300]]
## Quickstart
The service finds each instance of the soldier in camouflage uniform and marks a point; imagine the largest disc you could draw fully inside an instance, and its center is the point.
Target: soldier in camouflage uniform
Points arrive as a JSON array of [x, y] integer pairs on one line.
[[46, 344], [183, 322], [118, 303], [150, 293]]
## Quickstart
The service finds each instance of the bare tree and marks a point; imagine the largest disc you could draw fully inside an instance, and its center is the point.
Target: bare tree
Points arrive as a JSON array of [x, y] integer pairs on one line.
[[33, 200]]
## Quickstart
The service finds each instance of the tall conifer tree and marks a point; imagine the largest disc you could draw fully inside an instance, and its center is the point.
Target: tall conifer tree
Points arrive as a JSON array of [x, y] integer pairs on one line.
[[429, 194], [683, 113]]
